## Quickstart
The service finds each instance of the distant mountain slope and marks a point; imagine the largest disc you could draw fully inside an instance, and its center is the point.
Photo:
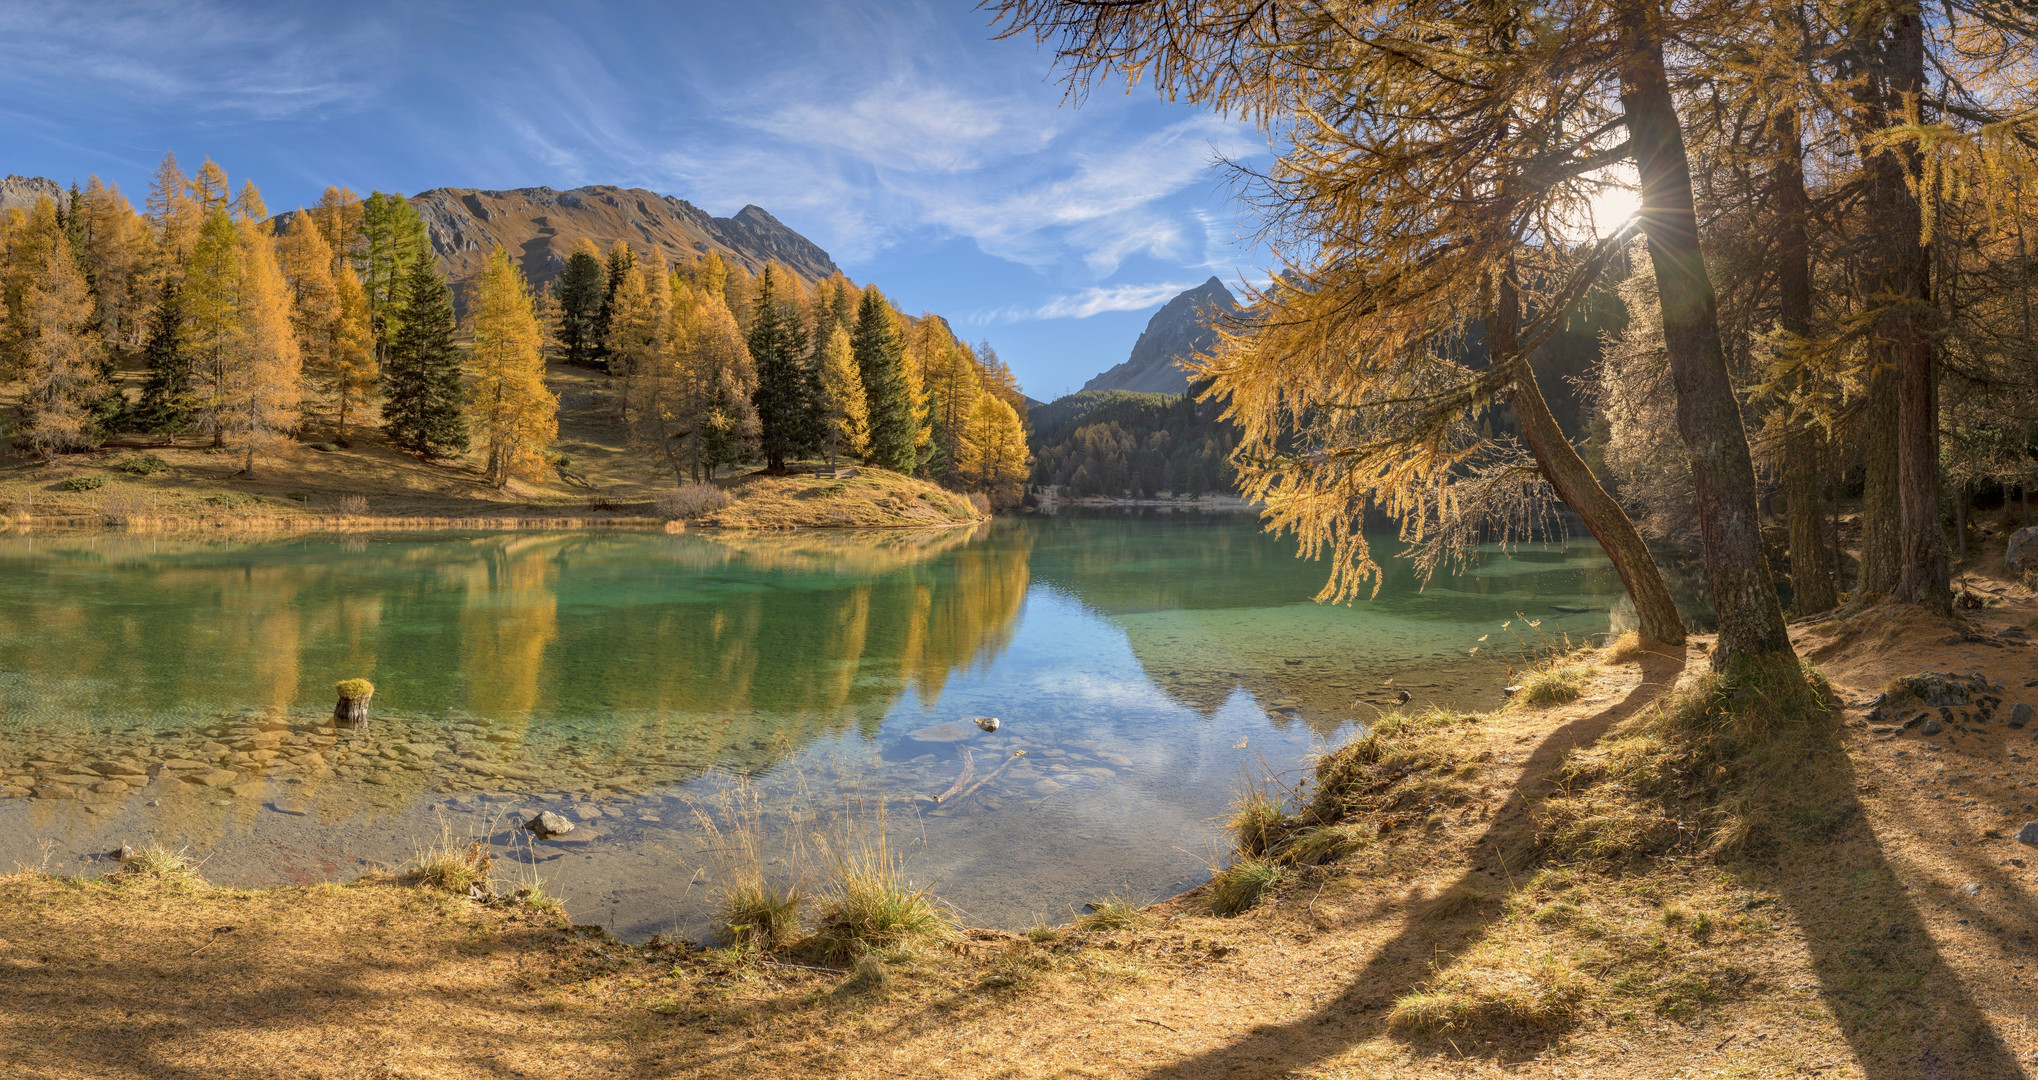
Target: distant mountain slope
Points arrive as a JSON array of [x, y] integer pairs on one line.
[[539, 227], [1178, 331], [21, 191]]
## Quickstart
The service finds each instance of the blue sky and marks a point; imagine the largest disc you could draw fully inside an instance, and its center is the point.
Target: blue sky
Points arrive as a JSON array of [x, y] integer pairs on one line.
[[925, 156]]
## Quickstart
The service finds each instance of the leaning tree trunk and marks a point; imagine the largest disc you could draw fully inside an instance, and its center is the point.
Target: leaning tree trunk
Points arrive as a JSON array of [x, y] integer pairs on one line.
[[1811, 584], [1906, 336], [1580, 490], [1708, 416]]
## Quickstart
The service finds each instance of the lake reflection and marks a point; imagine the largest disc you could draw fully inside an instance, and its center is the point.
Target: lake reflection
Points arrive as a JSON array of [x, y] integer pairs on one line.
[[179, 690]]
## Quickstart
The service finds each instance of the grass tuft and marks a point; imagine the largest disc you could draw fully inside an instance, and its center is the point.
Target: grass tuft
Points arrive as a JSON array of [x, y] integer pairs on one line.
[[354, 688], [1258, 820], [1555, 683], [1236, 888], [763, 915], [871, 907], [451, 866], [1113, 913], [156, 860]]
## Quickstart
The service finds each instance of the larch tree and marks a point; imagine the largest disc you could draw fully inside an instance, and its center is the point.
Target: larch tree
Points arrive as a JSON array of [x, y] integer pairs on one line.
[[259, 389], [993, 454], [49, 340], [119, 259], [174, 213], [315, 314], [880, 348], [1434, 157], [787, 393], [845, 416], [513, 414], [421, 378], [717, 360], [352, 377], [641, 311], [210, 307], [339, 215], [579, 289]]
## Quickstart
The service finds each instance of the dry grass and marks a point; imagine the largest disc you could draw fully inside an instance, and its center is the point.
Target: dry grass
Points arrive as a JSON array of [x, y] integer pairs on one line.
[[874, 498], [454, 866], [871, 906], [154, 859], [1556, 682], [1113, 913], [691, 501], [760, 909]]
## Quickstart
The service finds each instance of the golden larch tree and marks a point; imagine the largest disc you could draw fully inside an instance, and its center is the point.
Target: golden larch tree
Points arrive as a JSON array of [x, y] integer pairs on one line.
[[511, 409], [307, 264], [353, 373], [48, 341], [845, 417]]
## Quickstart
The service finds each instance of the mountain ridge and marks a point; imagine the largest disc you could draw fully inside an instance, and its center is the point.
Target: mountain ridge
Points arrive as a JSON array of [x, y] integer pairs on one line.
[[1182, 328]]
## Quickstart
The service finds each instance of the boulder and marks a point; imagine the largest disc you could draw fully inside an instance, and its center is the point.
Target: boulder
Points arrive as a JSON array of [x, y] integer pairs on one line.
[[2020, 714], [548, 825], [2028, 834], [2021, 557]]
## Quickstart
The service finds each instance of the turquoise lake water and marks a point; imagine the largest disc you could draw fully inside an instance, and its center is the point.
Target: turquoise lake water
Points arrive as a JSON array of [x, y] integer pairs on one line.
[[650, 686]]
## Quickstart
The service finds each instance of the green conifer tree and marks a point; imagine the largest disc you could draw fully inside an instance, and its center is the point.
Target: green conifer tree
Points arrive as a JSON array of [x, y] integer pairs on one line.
[[788, 390], [580, 290], [167, 404], [421, 377], [880, 350], [622, 263]]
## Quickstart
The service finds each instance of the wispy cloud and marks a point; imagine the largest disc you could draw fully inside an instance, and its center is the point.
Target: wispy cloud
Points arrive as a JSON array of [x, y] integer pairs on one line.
[[1092, 301], [200, 56]]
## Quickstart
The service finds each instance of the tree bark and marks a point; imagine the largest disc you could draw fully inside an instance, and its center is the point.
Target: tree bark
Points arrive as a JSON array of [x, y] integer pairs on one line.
[[1879, 548], [1580, 490], [1751, 624], [1906, 335], [1811, 583]]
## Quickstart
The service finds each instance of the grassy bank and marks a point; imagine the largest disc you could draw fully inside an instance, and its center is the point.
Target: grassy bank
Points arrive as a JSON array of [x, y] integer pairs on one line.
[[362, 484], [1664, 874]]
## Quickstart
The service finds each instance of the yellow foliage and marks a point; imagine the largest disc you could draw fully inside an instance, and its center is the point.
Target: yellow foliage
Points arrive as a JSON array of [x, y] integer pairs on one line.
[[514, 414]]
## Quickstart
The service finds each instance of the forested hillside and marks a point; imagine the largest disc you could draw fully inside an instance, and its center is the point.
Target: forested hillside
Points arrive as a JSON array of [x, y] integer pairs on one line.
[[201, 319], [1120, 443]]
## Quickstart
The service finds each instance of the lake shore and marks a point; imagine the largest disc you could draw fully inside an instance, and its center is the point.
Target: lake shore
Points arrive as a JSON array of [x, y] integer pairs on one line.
[[1460, 929]]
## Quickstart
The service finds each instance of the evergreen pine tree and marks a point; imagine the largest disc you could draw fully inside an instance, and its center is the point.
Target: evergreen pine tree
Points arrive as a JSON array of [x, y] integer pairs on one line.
[[421, 374], [622, 264], [788, 392], [167, 404], [580, 289], [881, 359]]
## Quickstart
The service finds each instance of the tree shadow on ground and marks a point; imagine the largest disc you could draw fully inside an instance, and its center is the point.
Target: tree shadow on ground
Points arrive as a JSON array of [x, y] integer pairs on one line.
[[1902, 1009]]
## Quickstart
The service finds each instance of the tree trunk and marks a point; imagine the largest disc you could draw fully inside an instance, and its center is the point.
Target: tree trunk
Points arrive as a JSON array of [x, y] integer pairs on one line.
[[1921, 569], [1708, 416], [1811, 584], [1580, 490], [1879, 549]]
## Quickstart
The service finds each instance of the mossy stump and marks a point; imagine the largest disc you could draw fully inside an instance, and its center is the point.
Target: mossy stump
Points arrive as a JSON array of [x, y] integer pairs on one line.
[[353, 704]]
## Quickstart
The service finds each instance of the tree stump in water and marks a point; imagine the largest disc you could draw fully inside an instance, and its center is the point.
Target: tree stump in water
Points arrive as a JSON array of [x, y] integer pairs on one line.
[[353, 705]]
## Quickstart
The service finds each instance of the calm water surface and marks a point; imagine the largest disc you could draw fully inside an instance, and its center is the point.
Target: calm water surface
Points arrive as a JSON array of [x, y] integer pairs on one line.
[[650, 686]]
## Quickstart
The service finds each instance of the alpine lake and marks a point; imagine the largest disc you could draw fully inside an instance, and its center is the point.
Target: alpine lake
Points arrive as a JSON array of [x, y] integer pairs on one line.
[[674, 693]]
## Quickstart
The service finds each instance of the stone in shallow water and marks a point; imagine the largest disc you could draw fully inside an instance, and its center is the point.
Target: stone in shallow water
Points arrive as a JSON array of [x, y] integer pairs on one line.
[[549, 825], [954, 730]]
